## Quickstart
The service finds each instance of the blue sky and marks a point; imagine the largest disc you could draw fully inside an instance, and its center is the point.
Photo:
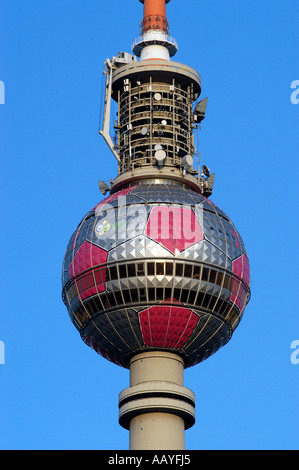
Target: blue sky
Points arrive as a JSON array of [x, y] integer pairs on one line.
[[56, 393]]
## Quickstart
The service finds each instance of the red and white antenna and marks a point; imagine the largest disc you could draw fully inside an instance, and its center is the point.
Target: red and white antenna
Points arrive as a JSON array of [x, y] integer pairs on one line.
[[155, 41]]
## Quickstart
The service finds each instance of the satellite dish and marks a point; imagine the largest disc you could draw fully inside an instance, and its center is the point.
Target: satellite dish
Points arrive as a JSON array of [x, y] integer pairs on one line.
[[103, 187], [144, 131], [160, 156], [158, 147], [157, 96], [200, 109], [205, 170], [208, 185], [187, 162]]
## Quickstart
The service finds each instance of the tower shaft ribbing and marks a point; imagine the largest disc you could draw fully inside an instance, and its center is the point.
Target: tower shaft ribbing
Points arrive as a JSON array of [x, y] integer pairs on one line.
[[157, 408]]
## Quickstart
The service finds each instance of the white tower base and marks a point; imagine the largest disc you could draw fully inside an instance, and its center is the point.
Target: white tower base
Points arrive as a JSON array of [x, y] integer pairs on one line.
[[154, 52]]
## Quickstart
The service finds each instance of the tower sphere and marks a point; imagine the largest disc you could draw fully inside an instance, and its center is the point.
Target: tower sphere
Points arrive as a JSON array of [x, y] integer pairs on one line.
[[156, 266]]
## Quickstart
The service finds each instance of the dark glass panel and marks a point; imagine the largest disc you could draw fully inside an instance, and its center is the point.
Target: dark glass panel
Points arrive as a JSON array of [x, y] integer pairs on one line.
[[122, 271], [196, 272], [160, 293], [188, 270], [113, 273], [159, 269], [131, 270], [205, 274], [169, 269], [150, 269], [179, 269], [151, 293]]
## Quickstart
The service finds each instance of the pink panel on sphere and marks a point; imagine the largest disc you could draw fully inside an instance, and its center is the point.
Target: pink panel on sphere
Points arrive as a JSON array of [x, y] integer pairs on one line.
[[237, 301], [176, 228], [238, 295], [88, 256], [92, 291], [88, 280], [241, 268], [110, 198], [236, 238], [167, 326]]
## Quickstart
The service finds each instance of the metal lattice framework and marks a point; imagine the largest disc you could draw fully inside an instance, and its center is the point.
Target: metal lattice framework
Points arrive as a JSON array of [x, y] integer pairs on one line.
[[154, 116]]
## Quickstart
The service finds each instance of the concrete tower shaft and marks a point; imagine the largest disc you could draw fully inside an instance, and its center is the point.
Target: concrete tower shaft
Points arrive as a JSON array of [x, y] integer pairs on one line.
[[157, 408]]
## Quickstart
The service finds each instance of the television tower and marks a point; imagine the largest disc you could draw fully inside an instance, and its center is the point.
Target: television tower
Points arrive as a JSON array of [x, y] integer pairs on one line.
[[155, 277]]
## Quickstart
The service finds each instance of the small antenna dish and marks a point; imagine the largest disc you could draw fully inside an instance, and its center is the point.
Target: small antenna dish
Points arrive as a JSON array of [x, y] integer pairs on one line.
[[158, 147], [208, 185], [187, 162], [205, 170], [160, 156], [144, 131], [200, 110], [103, 187]]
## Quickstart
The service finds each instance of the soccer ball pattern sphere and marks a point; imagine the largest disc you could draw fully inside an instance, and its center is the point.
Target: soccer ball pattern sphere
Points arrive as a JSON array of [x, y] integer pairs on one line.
[[156, 267]]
